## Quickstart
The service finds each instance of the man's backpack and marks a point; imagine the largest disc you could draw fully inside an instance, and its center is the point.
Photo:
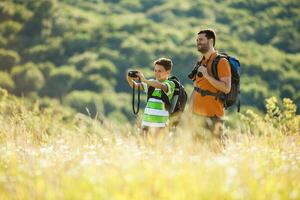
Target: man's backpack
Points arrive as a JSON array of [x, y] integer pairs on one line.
[[233, 96], [178, 101]]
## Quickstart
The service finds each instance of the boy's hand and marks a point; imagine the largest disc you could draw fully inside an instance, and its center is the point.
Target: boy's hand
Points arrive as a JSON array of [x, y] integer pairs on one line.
[[141, 76]]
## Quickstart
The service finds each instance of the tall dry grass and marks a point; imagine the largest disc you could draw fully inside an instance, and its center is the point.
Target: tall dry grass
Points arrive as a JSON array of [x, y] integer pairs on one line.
[[51, 153]]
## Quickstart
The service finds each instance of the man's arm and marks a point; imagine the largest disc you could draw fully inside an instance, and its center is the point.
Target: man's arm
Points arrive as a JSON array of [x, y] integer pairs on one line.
[[224, 84]]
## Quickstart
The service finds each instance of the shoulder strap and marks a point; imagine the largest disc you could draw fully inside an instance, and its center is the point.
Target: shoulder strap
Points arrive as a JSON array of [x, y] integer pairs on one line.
[[172, 78], [166, 100], [150, 92], [164, 97], [214, 65]]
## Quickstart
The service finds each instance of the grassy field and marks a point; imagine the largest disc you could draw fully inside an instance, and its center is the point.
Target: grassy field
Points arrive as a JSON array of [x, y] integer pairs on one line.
[[47, 153]]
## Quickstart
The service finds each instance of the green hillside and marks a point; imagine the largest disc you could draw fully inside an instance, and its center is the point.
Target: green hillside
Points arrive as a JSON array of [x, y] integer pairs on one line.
[[78, 51]]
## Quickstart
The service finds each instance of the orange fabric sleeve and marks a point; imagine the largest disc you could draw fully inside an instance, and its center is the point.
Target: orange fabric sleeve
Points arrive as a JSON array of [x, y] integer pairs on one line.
[[223, 68]]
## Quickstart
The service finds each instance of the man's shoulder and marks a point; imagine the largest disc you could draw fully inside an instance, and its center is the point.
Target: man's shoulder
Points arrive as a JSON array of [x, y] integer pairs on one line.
[[223, 62]]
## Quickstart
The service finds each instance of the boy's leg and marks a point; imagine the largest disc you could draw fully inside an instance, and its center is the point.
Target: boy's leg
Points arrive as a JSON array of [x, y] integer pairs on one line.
[[143, 135], [174, 121], [157, 132], [145, 131], [149, 134]]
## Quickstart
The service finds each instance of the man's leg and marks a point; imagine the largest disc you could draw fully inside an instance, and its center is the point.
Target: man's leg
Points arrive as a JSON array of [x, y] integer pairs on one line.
[[216, 126]]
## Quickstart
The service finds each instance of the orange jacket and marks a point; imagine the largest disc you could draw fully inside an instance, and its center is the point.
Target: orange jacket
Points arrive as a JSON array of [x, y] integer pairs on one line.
[[207, 105]]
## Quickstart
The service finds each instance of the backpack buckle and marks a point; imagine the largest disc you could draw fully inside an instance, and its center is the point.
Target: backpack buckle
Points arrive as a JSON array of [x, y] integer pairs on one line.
[[202, 92]]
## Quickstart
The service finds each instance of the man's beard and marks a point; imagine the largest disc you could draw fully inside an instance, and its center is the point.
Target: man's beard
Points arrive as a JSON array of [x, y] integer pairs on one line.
[[203, 49]]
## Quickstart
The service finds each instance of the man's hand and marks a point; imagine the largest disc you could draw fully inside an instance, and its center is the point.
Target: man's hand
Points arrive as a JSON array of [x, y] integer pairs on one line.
[[224, 84], [203, 70]]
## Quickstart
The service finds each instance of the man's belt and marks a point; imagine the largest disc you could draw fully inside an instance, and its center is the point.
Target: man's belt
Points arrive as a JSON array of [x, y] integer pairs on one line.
[[206, 92]]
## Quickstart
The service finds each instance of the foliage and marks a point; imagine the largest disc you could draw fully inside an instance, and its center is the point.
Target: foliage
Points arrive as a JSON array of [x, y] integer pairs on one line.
[[278, 119], [61, 80], [84, 102], [8, 59], [6, 82], [99, 40], [28, 78]]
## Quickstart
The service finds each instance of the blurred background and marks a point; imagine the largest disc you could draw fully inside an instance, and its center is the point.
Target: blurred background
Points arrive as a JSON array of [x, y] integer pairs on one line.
[[76, 52]]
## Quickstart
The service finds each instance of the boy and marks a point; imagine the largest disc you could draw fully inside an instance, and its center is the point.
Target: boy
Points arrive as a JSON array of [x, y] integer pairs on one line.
[[156, 115]]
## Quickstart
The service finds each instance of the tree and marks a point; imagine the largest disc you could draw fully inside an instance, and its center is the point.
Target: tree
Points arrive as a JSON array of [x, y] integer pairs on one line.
[[35, 26], [102, 67], [93, 82], [8, 59], [83, 59], [6, 82], [77, 43], [9, 28], [28, 78], [51, 50], [61, 81], [86, 102]]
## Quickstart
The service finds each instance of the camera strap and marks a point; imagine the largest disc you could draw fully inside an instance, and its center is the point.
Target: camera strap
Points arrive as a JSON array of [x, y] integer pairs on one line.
[[133, 99]]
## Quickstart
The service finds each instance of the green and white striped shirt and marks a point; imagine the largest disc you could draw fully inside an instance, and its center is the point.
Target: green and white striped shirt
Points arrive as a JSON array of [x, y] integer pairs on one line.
[[155, 114]]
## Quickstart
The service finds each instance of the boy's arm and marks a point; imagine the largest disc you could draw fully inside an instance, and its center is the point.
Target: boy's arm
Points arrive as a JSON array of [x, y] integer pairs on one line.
[[153, 83], [157, 84], [131, 82]]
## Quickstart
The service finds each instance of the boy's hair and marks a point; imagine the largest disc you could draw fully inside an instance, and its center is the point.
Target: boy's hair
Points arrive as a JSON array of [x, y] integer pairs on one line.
[[165, 62], [209, 34]]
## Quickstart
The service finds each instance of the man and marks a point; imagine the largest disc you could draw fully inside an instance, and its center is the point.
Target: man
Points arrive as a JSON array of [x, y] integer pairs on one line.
[[204, 101]]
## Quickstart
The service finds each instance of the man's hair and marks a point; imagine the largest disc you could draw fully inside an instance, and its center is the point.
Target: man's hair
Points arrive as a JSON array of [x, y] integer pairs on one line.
[[209, 33], [165, 62]]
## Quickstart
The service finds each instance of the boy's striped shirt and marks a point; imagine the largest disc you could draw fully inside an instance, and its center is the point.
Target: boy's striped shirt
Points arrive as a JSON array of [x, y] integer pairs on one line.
[[155, 113]]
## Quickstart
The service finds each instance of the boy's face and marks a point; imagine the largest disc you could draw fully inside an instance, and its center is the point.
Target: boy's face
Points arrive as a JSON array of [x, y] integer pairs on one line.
[[161, 73]]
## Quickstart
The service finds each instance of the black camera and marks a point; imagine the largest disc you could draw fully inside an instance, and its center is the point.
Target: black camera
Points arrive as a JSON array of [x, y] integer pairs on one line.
[[193, 73], [133, 74]]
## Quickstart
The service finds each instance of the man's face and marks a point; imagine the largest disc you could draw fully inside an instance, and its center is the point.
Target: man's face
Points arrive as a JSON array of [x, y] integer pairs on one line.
[[202, 43], [161, 73]]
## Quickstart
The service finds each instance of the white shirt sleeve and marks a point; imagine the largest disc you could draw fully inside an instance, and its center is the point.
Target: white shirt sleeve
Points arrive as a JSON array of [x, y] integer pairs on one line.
[[145, 87]]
